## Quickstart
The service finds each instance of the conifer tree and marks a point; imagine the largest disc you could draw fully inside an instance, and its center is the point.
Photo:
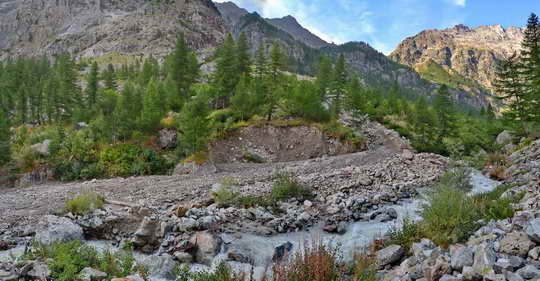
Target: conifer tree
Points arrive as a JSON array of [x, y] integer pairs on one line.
[[126, 110], [244, 102], [324, 76], [243, 56], [261, 63], [92, 85], [226, 76], [339, 83], [4, 136], [445, 110], [152, 112], [183, 69], [194, 124], [69, 99], [530, 66], [109, 78], [424, 122]]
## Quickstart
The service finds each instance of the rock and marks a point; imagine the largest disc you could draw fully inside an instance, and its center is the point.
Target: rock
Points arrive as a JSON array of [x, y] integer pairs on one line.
[[529, 272], [129, 278], [437, 270], [511, 276], [147, 233], [8, 275], [161, 267], [208, 246], [167, 138], [80, 126], [407, 154], [90, 274], [390, 255], [41, 148], [532, 229], [516, 243], [180, 211], [484, 258], [183, 257], [308, 204], [504, 138], [57, 229], [282, 251], [534, 253], [192, 168], [39, 271], [461, 256], [238, 257]]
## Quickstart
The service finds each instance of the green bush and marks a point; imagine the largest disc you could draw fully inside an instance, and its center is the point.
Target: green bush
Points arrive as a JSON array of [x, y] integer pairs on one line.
[[458, 177], [129, 159], [85, 203], [410, 232], [493, 207], [286, 186], [66, 260], [223, 272]]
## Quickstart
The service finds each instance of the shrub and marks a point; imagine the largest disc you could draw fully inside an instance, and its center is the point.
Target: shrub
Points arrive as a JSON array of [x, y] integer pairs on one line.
[[316, 262], [286, 186], [365, 268], [68, 259], [494, 207], [85, 203], [223, 272], [410, 232], [458, 177]]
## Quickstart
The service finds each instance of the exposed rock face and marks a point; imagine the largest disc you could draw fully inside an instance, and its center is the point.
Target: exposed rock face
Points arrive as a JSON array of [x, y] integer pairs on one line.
[[290, 25], [470, 53], [92, 28]]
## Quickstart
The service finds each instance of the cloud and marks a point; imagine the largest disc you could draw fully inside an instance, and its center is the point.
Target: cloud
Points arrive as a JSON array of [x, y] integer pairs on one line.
[[461, 3]]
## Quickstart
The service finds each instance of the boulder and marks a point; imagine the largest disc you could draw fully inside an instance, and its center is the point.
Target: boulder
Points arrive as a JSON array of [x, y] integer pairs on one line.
[[41, 148], [461, 256], [534, 253], [167, 138], [129, 278], [147, 233], [516, 243], [390, 255], [532, 229], [511, 276], [39, 271], [208, 246], [161, 267], [529, 272], [183, 257], [504, 138], [484, 258], [57, 229], [90, 274], [282, 251]]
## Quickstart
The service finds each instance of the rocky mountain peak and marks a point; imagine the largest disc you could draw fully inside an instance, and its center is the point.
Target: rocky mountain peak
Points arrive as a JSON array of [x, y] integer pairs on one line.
[[462, 55], [290, 25]]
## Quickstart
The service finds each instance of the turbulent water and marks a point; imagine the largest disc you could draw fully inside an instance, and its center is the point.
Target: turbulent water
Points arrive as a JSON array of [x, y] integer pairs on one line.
[[261, 248]]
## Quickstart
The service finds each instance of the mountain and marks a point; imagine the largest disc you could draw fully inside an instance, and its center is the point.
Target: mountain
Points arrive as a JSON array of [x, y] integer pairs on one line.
[[290, 25], [375, 69], [462, 57], [91, 28]]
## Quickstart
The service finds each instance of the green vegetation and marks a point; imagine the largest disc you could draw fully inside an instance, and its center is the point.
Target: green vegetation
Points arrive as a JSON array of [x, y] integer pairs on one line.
[[432, 71], [85, 203], [451, 215], [285, 187], [66, 260]]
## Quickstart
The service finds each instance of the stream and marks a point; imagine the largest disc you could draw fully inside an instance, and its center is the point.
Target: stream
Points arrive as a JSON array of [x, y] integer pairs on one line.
[[261, 248]]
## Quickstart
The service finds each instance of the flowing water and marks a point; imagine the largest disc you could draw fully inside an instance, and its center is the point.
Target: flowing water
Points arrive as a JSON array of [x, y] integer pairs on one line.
[[261, 248]]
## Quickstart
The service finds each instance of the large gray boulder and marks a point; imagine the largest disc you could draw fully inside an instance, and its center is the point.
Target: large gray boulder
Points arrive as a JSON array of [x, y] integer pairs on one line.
[[504, 138], [208, 246], [161, 267], [484, 258], [516, 243], [91, 274], [461, 256], [390, 255], [41, 148], [529, 272], [53, 229], [532, 229], [167, 138]]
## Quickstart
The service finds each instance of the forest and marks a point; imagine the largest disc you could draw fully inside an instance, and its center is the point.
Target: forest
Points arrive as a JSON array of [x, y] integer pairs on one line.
[[102, 119]]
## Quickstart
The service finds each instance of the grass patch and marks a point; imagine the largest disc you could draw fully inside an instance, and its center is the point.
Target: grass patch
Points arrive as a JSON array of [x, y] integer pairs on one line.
[[452, 216], [198, 158], [66, 260], [285, 187], [85, 203]]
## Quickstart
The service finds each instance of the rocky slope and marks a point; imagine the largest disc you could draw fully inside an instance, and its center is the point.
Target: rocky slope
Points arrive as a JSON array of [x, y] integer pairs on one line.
[[461, 56], [99, 27], [290, 25]]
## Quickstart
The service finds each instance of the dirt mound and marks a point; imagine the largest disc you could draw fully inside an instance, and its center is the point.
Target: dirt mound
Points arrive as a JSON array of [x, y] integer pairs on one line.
[[277, 144]]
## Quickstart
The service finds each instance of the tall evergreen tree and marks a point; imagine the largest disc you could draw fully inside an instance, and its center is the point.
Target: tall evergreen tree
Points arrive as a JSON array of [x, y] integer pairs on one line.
[[338, 86], [424, 122], [445, 110], [109, 78], [243, 56], [324, 76], [92, 85], [244, 102], [152, 112], [5, 152], [194, 124], [226, 76]]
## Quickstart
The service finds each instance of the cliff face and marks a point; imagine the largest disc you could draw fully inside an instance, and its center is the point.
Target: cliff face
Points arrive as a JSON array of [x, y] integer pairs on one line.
[[91, 28], [468, 56], [290, 25]]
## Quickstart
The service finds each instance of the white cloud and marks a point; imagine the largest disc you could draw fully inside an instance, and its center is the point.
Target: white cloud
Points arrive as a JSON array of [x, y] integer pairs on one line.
[[461, 3]]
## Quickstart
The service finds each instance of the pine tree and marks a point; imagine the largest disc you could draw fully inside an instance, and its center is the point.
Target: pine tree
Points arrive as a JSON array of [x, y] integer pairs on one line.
[[261, 63], [109, 78], [69, 98], [244, 102], [278, 62], [324, 76], [338, 86], [126, 110], [510, 90], [92, 87], [424, 122], [194, 124], [226, 76], [243, 56], [152, 112], [183, 69], [445, 110]]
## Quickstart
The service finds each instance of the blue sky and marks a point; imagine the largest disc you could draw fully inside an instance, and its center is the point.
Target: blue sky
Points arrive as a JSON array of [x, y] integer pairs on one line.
[[384, 23]]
